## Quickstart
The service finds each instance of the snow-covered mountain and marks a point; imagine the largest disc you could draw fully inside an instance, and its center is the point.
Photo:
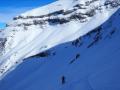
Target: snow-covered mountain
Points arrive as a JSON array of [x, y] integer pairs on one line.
[[82, 46]]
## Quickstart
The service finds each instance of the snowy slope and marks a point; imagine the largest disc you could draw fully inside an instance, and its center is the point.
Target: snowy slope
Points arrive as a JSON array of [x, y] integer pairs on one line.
[[89, 63], [45, 27]]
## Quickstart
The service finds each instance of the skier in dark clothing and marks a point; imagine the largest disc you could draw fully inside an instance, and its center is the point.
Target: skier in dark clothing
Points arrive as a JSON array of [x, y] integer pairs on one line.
[[63, 79]]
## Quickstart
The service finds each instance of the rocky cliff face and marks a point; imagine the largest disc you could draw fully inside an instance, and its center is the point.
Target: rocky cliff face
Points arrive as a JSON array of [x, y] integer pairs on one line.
[[79, 11]]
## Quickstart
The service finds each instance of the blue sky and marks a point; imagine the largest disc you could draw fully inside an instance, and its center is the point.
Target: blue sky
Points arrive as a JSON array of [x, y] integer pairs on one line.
[[11, 8]]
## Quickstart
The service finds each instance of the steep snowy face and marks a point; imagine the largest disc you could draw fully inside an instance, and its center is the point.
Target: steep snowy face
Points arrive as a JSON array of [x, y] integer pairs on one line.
[[91, 62], [45, 27]]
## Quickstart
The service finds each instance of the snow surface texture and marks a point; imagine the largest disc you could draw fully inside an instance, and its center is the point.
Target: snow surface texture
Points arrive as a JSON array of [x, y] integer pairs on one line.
[[43, 28], [91, 62]]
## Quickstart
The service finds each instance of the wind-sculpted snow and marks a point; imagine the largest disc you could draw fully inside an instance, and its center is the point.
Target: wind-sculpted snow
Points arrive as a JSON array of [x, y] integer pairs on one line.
[[43, 28]]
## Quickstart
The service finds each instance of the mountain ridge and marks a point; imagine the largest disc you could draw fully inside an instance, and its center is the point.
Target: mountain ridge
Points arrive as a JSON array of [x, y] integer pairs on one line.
[[88, 63], [25, 39]]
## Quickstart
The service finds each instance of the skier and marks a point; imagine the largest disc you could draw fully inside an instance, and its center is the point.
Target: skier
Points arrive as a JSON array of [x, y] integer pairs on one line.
[[63, 80]]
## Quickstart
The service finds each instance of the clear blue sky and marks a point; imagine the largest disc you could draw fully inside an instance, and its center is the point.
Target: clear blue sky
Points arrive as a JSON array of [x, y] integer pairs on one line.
[[11, 8]]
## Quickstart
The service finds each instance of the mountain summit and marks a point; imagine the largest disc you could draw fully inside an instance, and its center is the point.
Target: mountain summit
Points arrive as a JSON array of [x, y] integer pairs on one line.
[[33, 33]]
